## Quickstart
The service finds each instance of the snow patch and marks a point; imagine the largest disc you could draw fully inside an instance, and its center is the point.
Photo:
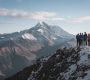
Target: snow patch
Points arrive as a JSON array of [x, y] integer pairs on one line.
[[87, 77], [28, 36], [72, 68], [1, 74], [2, 37], [54, 38], [11, 38], [40, 30], [84, 56], [41, 22]]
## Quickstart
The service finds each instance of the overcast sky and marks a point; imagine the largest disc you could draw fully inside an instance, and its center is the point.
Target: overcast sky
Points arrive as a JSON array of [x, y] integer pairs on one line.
[[71, 15]]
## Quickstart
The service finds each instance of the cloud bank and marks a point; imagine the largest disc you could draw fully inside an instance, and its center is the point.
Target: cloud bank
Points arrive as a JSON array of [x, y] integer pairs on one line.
[[40, 16], [29, 15], [80, 19]]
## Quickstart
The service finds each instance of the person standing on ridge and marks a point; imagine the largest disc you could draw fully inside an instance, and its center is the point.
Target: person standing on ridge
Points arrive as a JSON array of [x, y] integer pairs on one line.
[[82, 39], [88, 39], [78, 42], [85, 38]]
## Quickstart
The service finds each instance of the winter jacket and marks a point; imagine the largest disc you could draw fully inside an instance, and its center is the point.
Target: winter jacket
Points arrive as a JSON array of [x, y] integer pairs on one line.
[[85, 36], [81, 37], [77, 36], [89, 37]]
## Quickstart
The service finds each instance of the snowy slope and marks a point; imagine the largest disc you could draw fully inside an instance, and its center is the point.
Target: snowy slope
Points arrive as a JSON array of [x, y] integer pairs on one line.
[[65, 64], [80, 70], [85, 63], [28, 36]]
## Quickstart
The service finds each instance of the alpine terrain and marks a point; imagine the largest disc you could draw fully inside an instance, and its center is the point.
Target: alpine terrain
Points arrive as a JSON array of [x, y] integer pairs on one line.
[[64, 64], [20, 49]]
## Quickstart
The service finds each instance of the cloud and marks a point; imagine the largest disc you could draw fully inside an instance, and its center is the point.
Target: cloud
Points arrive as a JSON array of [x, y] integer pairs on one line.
[[58, 19], [80, 19], [30, 15], [12, 13], [42, 15]]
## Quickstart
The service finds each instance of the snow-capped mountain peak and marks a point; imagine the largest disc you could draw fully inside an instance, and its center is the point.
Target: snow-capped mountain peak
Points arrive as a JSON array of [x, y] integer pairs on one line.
[[40, 40], [54, 30], [41, 25]]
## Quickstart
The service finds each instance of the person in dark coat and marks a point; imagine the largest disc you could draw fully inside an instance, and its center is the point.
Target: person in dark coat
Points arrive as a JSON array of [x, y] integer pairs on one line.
[[85, 38], [88, 39], [77, 37], [80, 41]]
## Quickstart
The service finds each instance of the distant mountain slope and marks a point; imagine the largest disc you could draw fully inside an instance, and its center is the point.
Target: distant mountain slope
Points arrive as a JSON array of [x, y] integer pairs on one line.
[[20, 49], [65, 64]]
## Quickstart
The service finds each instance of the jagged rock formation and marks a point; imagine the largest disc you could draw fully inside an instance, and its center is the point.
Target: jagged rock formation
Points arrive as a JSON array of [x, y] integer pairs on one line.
[[65, 64]]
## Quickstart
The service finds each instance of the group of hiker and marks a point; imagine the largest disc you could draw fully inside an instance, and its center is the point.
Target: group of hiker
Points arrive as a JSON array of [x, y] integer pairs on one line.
[[83, 39]]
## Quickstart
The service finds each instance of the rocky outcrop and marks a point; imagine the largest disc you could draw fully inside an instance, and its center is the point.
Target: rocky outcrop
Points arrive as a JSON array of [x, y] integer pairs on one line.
[[65, 64]]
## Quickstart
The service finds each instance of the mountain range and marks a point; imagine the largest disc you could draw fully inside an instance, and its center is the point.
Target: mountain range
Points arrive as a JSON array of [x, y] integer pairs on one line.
[[21, 49]]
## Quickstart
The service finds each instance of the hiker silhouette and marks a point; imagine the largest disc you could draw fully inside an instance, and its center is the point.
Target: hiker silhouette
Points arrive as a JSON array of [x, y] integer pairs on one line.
[[77, 37], [89, 39], [85, 38], [82, 39]]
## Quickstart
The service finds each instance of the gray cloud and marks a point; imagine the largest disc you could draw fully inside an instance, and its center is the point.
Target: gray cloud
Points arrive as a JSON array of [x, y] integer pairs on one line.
[[29, 15]]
